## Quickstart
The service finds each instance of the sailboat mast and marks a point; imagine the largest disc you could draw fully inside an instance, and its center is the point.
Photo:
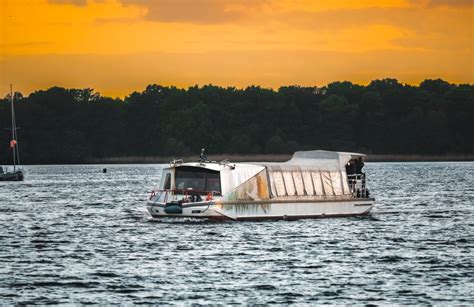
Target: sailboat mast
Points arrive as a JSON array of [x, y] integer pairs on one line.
[[13, 142]]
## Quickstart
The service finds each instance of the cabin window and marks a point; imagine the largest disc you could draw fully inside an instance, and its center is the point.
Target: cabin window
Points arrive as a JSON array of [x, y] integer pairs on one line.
[[197, 178], [167, 184]]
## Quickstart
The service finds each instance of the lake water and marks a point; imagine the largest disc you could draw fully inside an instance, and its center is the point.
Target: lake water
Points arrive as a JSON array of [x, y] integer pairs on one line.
[[71, 234]]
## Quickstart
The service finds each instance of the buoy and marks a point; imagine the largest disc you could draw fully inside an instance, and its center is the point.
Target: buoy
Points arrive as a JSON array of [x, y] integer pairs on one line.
[[104, 170]]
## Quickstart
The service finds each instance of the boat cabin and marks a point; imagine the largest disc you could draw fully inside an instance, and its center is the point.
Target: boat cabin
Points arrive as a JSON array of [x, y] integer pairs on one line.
[[188, 177]]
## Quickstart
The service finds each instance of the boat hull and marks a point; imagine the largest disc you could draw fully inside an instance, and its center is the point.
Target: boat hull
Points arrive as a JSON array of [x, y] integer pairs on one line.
[[14, 176], [260, 210]]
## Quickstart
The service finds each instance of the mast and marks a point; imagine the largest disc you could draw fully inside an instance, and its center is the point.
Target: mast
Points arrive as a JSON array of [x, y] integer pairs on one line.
[[14, 142]]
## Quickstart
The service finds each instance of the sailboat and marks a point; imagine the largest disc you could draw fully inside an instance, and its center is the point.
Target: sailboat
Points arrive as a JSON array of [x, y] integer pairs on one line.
[[17, 173]]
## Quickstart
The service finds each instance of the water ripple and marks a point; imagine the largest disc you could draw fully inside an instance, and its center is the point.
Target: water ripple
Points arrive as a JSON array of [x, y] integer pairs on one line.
[[73, 235]]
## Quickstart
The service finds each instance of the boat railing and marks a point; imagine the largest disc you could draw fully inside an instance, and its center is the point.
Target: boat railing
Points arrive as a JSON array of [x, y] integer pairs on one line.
[[175, 162], [357, 185], [184, 195]]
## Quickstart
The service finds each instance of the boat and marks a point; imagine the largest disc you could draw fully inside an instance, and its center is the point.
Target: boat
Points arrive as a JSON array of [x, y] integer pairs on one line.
[[17, 173], [312, 184]]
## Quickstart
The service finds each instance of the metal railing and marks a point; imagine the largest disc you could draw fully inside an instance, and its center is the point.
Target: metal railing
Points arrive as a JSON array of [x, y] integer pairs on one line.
[[357, 185], [184, 195]]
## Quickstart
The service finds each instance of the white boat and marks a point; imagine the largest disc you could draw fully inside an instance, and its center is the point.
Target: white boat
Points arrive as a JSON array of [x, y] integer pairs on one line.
[[17, 173], [312, 184]]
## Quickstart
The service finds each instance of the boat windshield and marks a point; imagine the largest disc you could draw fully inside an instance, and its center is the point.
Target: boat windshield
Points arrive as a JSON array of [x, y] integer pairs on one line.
[[197, 178]]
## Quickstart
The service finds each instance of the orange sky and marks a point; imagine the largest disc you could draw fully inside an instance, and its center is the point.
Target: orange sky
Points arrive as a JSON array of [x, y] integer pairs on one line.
[[118, 46]]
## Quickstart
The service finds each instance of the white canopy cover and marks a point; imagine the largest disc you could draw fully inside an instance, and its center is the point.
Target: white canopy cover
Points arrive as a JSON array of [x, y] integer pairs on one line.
[[315, 160], [315, 173]]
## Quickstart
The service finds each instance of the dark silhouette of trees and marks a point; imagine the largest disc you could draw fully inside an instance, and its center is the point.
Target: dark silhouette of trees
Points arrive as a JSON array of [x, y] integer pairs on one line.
[[61, 125]]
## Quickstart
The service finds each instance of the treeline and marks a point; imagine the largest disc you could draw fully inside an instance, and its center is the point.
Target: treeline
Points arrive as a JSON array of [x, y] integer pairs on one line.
[[61, 125]]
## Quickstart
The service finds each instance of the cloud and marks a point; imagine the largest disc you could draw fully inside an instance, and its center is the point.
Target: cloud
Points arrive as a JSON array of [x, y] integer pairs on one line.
[[74, 2], [451, 2], [446, 3], [332, 20], [196, 11], [419, 27]]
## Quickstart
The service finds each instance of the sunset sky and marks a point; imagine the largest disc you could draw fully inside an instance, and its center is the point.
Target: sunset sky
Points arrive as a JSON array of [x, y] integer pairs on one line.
[[119, 46]]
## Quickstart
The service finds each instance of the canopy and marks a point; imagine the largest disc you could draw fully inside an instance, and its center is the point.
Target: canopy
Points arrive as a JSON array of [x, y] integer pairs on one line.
[[315, 160]]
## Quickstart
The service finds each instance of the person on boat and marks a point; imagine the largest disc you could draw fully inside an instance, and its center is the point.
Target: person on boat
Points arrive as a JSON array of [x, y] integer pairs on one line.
[[350, 167], [350, 171], [194, 196], [359, 164], [203, 156]]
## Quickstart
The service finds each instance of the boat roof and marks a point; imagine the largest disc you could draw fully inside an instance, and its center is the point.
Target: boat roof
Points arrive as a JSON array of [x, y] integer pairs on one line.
[[211, 165], [319, 160]]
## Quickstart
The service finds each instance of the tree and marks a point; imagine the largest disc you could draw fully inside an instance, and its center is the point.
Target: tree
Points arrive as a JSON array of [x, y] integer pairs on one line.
[[60, 125]]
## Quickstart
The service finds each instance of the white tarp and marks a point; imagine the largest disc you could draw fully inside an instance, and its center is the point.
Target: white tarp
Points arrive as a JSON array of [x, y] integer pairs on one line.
[[309, 173], [345, 183], [336, 183], [279, 184], [318, 185], [327, 183], [289, 184], [314, 160], [299, 185], [234, 177], [308, 183]]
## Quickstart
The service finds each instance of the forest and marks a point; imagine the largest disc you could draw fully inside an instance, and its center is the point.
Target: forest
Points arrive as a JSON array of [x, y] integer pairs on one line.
[[60, 125]]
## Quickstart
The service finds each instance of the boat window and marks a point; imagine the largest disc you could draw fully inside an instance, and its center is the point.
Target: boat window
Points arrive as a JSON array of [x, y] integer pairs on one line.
[[167, 184], [197, 178]]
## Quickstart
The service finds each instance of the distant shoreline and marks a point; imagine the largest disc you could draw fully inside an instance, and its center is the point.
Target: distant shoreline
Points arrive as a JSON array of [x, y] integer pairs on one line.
[[277, 158], [250, 158], [418, 158]]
